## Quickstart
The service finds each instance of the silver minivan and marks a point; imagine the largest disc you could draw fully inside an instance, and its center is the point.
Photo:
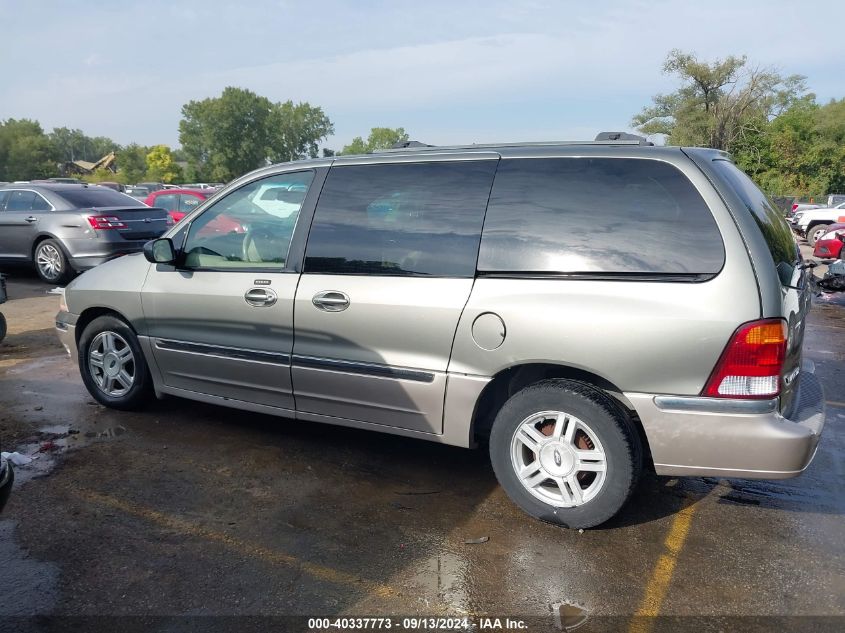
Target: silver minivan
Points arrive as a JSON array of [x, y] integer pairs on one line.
[[587, 310]]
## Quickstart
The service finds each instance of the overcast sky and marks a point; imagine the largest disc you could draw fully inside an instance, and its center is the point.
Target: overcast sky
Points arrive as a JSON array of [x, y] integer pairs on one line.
[[447, 71]]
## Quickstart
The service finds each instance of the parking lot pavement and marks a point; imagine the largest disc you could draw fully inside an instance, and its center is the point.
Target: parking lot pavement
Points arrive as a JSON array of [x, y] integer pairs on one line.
[[187, 509]]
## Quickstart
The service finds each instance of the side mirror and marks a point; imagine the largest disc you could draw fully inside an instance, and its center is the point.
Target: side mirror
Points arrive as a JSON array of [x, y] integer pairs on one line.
[[160, 251]]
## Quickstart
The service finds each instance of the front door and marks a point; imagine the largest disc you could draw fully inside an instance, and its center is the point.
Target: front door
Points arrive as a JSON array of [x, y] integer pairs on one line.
[[221, 321], [389, 266], [19, 222]]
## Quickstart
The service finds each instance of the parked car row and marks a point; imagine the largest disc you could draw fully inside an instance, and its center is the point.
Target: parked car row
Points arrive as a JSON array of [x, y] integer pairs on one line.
[[812, 224], [67, 228], [458, 295]]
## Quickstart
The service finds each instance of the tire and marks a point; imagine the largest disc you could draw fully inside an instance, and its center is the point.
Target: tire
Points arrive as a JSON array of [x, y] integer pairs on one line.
[[51, 263], [114, 377], [3, 328], [600, 495], [815, 232]]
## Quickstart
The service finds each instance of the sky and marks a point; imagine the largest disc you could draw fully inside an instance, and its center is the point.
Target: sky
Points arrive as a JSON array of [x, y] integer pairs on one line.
[[448, 72]]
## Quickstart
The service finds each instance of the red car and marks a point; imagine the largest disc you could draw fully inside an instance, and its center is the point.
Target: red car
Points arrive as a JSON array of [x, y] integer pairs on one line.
[[831, 248], [180, 202]]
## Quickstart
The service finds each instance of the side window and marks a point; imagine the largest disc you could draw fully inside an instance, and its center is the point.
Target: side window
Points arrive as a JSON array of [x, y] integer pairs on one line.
[[4, 196], [188, 203], [40, 204], [400, 219], [20, 201], [167, 201], [598, 215], [238, 233]]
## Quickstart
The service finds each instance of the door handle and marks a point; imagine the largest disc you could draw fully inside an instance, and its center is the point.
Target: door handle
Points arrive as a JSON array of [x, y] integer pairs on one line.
[[260, 297], [31, 219], [331, 301]]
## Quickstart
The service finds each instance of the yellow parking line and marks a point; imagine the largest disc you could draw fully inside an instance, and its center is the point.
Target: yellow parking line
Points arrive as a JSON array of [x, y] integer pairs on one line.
[[276, 557], [658, 584]]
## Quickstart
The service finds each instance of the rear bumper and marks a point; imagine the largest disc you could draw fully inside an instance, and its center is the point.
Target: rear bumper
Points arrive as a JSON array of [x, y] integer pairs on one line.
[[733, 438], [85, 254]]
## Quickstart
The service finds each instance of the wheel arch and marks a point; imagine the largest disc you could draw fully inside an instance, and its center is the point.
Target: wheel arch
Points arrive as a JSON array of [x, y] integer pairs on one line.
[[94, 312], [512, 379]]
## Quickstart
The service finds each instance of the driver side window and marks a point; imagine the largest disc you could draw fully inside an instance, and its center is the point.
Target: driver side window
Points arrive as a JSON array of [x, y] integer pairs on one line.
[[250, 227]]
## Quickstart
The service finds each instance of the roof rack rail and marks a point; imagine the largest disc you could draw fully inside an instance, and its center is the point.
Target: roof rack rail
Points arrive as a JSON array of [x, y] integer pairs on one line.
[[604, 138]]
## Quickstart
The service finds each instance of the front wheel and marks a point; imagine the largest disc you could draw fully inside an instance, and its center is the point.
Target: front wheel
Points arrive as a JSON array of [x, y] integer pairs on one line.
[[814, 234], [565, 453], [112, 365]]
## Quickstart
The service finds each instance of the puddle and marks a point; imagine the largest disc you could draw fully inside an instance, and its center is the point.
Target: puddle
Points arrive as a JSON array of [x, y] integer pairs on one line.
[[442, 580], [53, 441]]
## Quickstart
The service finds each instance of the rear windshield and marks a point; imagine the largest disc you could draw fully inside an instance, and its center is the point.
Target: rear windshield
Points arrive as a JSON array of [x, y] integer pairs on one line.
[[772, 225], [97, 197], [598, 216]]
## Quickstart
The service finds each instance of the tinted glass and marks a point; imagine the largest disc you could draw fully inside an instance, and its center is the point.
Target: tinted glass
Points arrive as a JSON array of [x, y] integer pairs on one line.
[[40, 204], [597, 215], [401, 219], [96, 197], [773, 226], [188, 203], [167, 201], [20, 201], [242, 231], [4, 196]]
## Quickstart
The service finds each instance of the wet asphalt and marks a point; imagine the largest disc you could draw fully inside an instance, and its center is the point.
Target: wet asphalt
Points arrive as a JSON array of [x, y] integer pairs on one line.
[[186, 509]]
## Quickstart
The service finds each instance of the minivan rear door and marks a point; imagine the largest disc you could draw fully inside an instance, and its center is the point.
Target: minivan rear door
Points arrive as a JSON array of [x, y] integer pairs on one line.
[[784, 282], [388, 269]]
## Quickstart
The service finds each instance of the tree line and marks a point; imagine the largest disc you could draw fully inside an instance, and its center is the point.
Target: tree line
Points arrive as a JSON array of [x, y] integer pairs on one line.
[[775, 129], [222, 137]]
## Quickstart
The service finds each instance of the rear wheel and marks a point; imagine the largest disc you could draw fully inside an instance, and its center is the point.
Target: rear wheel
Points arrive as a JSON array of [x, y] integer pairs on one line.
[[112, 365], [565, 453], [51, 263], [2, 326], [814, 233]]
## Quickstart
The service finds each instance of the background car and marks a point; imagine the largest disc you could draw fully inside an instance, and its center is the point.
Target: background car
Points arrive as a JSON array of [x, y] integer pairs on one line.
[[64, 228], [136, 191], [829, 246], [180, 202]]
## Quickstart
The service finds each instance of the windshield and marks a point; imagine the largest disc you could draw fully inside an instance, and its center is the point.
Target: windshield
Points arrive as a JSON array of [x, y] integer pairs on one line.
[[99, 197]]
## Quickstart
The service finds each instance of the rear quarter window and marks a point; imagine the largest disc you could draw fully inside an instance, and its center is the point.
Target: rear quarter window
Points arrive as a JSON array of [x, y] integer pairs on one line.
[[598, 216], [771, 223]]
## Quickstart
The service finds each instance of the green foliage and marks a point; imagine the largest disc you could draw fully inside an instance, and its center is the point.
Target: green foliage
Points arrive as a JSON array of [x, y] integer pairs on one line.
[[788, 143], [70, 145], [719, 103], [26, 153], [132, 164], [294, 131], [226, 136], [100, 175], [379, 138], [160, 165]]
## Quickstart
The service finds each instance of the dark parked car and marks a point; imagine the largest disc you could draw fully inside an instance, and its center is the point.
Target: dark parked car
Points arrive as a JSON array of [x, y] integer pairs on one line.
[[65, 228]]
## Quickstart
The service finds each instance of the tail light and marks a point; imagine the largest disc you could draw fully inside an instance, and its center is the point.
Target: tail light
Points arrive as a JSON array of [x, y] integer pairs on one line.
[[104, 222], [794, 206], [751, 365]]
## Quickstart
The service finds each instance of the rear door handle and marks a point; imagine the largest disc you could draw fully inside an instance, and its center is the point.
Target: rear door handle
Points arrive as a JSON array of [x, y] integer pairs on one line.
[[31, 219], [331, 301], [260, 297]]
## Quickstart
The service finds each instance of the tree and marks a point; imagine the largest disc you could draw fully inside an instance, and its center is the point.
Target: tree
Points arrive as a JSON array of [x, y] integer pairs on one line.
[[295, 130], [132, 164], [26, 152], [160, 165], [379, 138], [718, 103], [71, 145]]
